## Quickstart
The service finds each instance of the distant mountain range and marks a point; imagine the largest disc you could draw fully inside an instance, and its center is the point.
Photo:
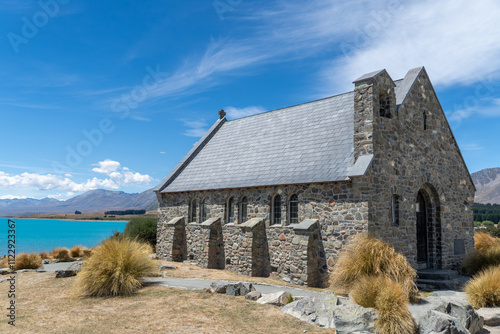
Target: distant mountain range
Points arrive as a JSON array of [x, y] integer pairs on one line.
[[487, 182], [98, 200]]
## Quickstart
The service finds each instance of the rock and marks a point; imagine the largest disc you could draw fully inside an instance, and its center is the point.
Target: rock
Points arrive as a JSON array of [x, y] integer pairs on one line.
[[254, 295], [167, 266], [46, 261], [464, 312], [435, 322], [216, 287], [76, 267], [4, 271], [315, 310], [279, 298], [239, 289], [65, 273], [354, 318], [491, 315]]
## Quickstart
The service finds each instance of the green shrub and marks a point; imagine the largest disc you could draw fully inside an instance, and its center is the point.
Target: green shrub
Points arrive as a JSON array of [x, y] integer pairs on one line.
[[488, 223], [368, 256], [484, 289], [28, 261], [142, 228], [477, 224], [115, 268], [494, 231]]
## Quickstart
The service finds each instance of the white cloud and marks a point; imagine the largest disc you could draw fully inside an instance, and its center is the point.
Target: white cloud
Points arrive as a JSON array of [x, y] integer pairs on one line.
[[471, 147], [453, 39], [13, 197], [233, 112], [196, 128], [62, 196], [163, 152], [107, 166], [117, 177]]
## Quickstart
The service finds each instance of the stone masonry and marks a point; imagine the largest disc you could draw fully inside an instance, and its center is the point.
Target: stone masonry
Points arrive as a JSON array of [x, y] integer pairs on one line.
[[399, 128]]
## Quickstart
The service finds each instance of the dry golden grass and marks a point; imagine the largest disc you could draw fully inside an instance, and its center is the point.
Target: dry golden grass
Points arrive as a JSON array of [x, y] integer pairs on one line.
[[387, 297], [28, 261], [114, 269], [365, 255], [4, 263], [44, 255], [76, 251], [61, 254], [486, 254], [47, 305], [484, 241], [87, 252], [484, 289]]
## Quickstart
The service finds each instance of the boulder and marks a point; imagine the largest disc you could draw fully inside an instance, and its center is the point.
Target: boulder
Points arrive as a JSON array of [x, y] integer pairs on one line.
[[216, 287], [76, 267], [167, 266], [46, 261], [239, 289], [435, 322], [65, 273], [491, 315], [464, 312], [315, 310], [254, 295], [4, 271], [279, 298], [354, 318]]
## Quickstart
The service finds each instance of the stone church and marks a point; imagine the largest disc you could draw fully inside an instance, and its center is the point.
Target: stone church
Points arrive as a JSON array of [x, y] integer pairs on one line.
[[281, 192]]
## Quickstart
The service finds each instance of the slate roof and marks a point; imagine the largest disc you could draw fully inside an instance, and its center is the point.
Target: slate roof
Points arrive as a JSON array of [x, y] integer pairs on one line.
[[306, 143]]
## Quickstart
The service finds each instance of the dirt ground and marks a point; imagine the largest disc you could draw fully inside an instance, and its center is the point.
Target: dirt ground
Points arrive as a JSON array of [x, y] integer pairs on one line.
[[45, 304]]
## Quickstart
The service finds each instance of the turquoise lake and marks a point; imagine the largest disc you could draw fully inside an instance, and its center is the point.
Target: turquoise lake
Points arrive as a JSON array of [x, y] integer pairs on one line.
[[36, 235]]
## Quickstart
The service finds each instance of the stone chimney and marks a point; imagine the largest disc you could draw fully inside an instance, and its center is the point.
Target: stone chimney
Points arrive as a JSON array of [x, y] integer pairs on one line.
[[374, 101]]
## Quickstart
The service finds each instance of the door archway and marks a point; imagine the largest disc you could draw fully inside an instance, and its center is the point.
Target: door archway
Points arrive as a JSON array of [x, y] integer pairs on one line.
[[428, 228]]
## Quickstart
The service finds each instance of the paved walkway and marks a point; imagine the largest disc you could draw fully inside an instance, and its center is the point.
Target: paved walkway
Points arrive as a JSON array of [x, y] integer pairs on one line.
[[200, 284], [195, 283]]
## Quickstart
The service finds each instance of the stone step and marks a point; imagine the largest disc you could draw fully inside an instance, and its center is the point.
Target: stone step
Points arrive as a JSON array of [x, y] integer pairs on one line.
[[437, 274], [431, 284]]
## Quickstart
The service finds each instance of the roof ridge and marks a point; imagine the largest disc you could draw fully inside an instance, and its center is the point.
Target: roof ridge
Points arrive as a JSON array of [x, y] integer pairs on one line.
[[292, 106]]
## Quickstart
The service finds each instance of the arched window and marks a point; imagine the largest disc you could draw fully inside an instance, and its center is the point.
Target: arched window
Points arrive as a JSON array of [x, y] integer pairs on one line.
[[230, 211], [203, 210], [243, 214], [276, 210], [192, 211], [293, 209]]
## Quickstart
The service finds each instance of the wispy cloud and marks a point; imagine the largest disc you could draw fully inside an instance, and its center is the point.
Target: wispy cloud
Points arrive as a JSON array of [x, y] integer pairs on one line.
[[196, 128], [471, 147]]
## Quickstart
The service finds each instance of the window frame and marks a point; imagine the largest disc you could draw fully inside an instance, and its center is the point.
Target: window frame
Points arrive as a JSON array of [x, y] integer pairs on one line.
[[395, 209], [291, 217], [230, 210], [203, 210], [192, 211], [275, 220], [243, 214]]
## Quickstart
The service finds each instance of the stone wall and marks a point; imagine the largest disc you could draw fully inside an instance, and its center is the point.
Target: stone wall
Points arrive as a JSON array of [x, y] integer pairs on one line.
[[414, 150], [341, 208]]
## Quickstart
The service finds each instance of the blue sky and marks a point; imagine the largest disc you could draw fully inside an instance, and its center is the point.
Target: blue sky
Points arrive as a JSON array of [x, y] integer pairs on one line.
[[106, 94]]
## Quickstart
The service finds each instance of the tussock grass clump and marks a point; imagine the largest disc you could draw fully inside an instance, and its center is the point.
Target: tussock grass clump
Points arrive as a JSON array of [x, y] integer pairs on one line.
[[391, 303], [61, 254], [484, 241], [76, 251], [44, 255], [114, 268], [367, 256], [5, 262], [484, 289], [28, 261], [486, 254], [87, 252]]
